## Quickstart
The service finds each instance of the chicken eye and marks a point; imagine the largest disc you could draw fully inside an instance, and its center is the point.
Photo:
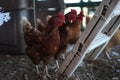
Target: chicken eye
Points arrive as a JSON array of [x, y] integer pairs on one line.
[[53, 22]]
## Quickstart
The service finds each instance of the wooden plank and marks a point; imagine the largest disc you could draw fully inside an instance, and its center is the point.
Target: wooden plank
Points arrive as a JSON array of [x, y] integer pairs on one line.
[[92, 35], [115, 26], [100, 7], [99, 40], [94, 54], [66, 63], [111, 8], [106, 29], [93, 21], [89, 28], [69, 57], [69, 71]]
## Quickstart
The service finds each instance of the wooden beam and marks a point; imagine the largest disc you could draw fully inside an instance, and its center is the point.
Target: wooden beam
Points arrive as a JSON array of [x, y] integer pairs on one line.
[[83, 4]]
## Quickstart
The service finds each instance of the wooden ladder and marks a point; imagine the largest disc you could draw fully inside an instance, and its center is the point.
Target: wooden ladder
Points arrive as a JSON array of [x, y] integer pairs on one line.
[[93, 40]]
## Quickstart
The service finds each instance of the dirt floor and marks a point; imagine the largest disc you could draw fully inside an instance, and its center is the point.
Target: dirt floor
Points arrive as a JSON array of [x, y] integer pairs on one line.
[[19, 67]]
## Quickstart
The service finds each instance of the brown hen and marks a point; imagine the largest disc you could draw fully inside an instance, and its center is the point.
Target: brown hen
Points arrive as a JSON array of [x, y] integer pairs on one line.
[[75, 28], [64, 34], [42, 46]]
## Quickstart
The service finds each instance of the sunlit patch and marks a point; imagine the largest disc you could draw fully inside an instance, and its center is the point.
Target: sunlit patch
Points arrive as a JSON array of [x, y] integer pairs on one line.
[[4, 17]]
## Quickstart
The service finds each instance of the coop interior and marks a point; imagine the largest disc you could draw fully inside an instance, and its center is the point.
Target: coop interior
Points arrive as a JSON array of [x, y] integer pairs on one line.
[[59, 40]]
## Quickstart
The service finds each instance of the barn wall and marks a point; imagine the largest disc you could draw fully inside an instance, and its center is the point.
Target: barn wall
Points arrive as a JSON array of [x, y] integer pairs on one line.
[[11, 32]]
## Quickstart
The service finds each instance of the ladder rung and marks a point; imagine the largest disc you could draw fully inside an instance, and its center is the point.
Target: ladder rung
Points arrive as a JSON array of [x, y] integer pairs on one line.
[[99, 40]]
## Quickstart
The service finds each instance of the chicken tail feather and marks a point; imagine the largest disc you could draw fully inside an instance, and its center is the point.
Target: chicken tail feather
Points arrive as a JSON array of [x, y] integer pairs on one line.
[[26, 24], [25, 21]]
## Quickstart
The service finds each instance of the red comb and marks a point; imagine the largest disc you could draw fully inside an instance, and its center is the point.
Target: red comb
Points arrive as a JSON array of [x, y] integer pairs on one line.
[[73, 11], [61, 15], [81, 15]]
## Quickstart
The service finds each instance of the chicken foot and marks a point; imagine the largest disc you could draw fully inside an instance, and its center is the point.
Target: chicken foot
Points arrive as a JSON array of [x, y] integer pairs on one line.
[[26, 77], [37, 69], [57, 66], [46, 75]]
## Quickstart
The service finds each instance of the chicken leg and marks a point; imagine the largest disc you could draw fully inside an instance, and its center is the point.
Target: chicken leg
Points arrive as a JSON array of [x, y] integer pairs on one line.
[[57, 66], [37, 69], [46, 75]]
